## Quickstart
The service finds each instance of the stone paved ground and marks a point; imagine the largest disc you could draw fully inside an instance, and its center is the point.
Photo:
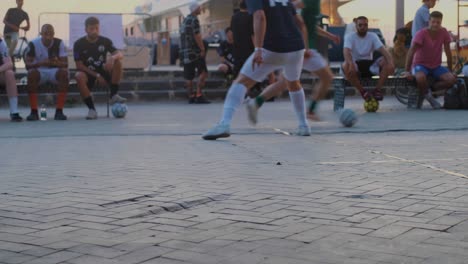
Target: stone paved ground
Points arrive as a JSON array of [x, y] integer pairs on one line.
[[147, 189]]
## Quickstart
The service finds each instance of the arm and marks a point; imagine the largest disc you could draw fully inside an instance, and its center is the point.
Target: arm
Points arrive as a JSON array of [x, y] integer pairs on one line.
[[336, 39], [81, 67], [386, 55], [199, 41], [448, 53], [259, 34], [348, 56], [7, 64], [27, 27], [117, 55], [301, 25]]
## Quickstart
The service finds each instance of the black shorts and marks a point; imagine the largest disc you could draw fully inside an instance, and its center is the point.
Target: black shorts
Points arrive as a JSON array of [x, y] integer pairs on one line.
[[364, 68], [194, 67], [92, 79]]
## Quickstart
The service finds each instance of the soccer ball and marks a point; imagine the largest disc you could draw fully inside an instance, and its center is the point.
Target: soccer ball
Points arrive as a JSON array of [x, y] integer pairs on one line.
[[119, 110], [348, 118], [371, 105]]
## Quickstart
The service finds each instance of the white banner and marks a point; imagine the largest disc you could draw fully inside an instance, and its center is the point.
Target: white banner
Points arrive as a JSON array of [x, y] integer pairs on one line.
[[110, 26]]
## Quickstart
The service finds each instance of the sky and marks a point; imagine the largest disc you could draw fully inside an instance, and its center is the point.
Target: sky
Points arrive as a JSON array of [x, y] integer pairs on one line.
[[380, 12]]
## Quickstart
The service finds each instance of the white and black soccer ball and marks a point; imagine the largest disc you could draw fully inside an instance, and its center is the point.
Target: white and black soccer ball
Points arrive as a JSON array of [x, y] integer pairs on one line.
[[119, 110], [348, 117]]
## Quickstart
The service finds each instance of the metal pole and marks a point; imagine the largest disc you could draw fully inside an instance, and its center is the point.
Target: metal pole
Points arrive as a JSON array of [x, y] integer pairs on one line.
[[400, 14]]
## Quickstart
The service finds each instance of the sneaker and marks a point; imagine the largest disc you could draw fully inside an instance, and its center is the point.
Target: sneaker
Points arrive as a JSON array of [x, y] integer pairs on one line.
[[365, 95], [378, 95], [60, 116], [303, 131], [15, 117], [33, 117], [201, 100], [92, 114], [218, 131], [434, 103], [191, 100], [117, 99], [252, 110]]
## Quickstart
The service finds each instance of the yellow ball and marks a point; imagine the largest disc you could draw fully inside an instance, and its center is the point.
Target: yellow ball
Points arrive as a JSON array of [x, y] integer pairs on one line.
[[371, 105]]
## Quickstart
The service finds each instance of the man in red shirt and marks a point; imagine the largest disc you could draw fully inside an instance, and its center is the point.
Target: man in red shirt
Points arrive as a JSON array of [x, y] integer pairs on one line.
[[425, 58]]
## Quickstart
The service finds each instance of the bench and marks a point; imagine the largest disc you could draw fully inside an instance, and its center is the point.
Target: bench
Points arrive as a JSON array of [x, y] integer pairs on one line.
[[48, 91], [404, 90]]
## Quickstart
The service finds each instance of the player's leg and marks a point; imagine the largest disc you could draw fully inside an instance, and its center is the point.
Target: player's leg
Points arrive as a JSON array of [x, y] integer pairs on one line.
[[420, 73], [292, 74], [62, 80], [8, 78], [11, 41], [385, 70], [352, 75], [318, 66], [189, 75], [272, 90], [202, 70], [34, 78], [114, 69], [84, 83], [445, 79], [247, 78]]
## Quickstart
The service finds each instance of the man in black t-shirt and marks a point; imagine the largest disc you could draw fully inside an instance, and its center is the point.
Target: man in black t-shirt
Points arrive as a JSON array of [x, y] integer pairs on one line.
[[242, 32], [193, 54], [225, 51], [13, 19], [95, 67]]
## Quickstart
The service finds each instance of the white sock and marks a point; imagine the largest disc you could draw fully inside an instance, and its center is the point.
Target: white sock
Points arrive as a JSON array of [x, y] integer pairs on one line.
[[298, 100], [234, 99], [13, 101]]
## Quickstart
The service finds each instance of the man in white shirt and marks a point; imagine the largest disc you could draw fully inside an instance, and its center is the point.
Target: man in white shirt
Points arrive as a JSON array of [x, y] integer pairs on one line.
[[47, 62], [359, 62]]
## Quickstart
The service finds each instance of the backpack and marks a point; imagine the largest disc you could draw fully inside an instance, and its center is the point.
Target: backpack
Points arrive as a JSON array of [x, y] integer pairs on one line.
[[457, 96]]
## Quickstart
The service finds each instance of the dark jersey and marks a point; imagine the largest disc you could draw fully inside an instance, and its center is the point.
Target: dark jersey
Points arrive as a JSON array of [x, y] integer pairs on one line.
[[282, 34], [225, 51], [93, 54], [242, 31], [189, 49], [14, 16]]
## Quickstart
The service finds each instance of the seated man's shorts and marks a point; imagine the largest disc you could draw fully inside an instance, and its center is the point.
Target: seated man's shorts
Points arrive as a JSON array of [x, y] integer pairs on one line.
[[48, 75], [435, 72], [315, 62], [92, 80], [291, 63], [368, 68], [465, 70]]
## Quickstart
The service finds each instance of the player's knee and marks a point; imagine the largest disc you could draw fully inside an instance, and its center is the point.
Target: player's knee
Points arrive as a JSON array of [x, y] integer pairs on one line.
[[62, 75], [33, 76], [81, 77]]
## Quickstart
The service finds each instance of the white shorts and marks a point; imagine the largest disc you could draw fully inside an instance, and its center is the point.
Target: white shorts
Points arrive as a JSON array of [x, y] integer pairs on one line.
[[48, 75], [290, 63], [465, 70], [315, 62]]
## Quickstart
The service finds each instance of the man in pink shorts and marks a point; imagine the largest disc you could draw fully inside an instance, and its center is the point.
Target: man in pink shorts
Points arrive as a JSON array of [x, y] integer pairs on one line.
[[425, 59]]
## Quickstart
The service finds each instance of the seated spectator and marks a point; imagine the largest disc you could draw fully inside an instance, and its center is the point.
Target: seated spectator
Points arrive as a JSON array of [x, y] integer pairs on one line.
[[7, 78], [399, 50], [95, 67], [225, 51], [359, 62], [47, 62], [425, 59]]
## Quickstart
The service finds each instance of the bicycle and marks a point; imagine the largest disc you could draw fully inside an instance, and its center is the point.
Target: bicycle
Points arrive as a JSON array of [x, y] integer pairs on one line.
[[21, 48]]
